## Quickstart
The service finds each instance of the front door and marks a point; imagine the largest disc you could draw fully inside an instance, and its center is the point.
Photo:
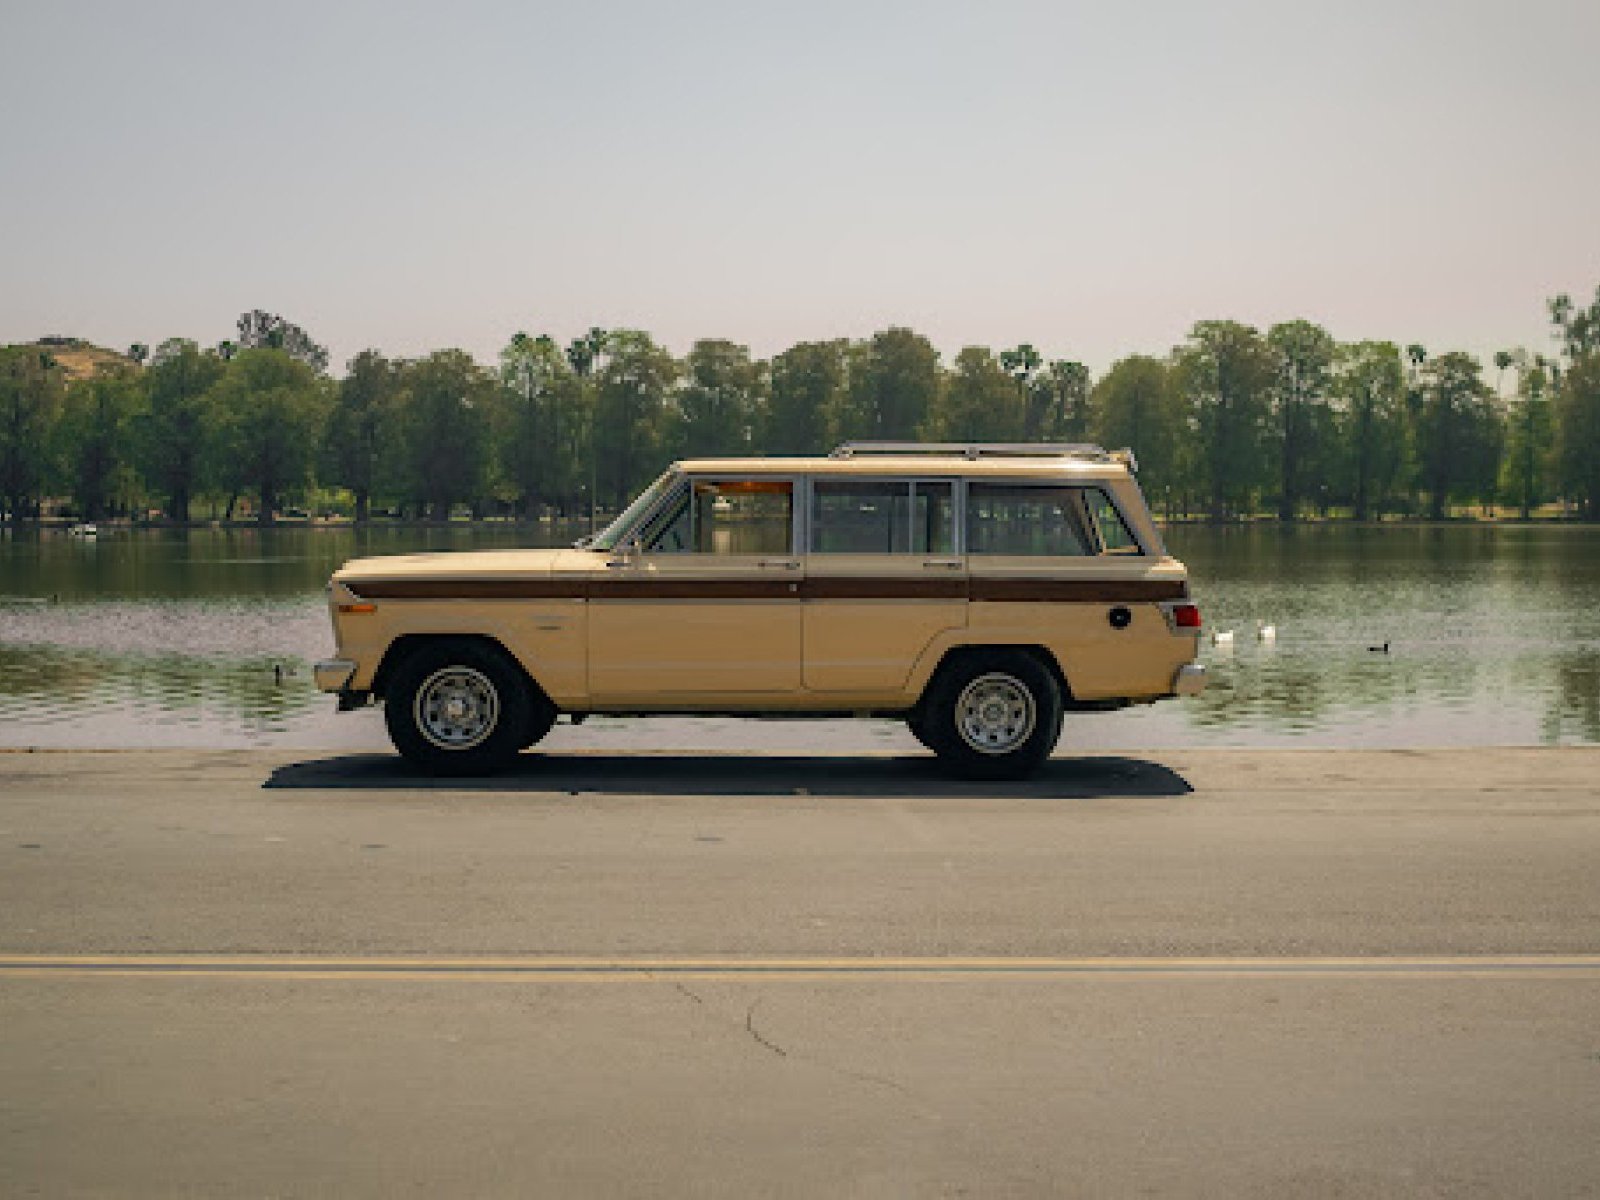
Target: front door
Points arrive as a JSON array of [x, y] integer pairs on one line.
[[708, 606]]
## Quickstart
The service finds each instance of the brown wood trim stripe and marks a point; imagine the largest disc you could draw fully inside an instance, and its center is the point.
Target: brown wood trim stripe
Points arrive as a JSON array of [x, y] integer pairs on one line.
[[693, 589], [1079, 591], [854, 587], [822, 587], [467, 589]]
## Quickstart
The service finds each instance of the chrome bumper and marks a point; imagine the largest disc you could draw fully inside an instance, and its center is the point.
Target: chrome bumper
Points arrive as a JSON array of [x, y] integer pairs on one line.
[[333, 674], [1189, 681]]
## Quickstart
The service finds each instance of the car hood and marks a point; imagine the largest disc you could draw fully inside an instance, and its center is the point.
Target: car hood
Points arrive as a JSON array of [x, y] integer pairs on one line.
[[465, 564]]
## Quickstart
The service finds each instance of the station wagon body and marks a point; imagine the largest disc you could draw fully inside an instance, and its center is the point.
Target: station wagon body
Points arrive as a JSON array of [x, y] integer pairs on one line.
[[855, 583]]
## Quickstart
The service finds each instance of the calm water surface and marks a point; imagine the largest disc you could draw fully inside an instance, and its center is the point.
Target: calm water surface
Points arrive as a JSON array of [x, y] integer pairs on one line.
[[171, 638]]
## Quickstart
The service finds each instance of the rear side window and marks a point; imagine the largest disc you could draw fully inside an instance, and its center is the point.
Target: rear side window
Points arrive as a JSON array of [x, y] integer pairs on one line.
[[882, 517], [1114, 535], [1044, 521]]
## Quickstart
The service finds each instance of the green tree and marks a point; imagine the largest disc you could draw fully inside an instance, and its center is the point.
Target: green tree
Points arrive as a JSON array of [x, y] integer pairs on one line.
[[893, 385], [1226, 373], [94, 433], [1137, 404], [1526, 471], [363, 428], [175, 438], [1302, 356], [584, 355], [1022, 364], [533, 375], [1503, 359], [808, 387], [981, 401], [722, 404], [1578, 401], [1059, 404], [448, 399], [635, 387], [30, 402], [1369, 389], [259, 330], [1578, 416], [1458, 432], [272, 407]]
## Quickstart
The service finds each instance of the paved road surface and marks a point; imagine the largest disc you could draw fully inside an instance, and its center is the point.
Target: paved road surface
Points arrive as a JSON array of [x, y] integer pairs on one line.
[[1200, 973]]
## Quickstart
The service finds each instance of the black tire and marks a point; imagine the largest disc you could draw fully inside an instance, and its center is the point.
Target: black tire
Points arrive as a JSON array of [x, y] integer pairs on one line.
[[456, 706], [541, 720], [994, 714], [919, 729]]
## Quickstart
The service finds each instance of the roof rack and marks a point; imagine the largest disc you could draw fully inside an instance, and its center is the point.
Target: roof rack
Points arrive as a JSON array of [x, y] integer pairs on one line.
[[976, 450]]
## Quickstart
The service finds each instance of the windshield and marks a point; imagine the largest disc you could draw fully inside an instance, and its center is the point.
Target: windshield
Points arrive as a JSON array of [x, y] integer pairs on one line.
[[608, 537]]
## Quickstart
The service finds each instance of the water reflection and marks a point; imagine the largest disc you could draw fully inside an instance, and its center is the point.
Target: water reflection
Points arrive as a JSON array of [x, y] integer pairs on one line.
[[172, 636]]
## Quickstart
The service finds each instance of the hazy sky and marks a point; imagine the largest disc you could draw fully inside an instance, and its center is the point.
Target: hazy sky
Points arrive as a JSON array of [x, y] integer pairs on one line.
[[1091, 177]]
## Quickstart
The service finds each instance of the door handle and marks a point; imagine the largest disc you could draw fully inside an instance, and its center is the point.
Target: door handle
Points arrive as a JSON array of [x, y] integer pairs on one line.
[[787, 564], [948, 564]]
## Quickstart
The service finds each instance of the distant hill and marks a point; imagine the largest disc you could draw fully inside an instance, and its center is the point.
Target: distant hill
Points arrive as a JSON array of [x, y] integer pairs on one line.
[[80, 359]]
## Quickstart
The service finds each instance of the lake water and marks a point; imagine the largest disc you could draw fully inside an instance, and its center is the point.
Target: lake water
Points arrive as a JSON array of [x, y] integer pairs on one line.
[[170, 638]]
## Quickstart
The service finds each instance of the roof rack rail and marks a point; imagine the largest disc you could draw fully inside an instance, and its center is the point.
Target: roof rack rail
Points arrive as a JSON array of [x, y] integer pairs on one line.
[[975, 450]]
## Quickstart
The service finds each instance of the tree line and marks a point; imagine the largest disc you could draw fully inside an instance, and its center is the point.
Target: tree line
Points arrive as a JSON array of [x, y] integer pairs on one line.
[[1231, 423]]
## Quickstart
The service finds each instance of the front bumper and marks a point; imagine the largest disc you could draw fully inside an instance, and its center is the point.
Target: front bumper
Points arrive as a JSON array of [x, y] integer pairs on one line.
[[1190, 680], [333, 674]]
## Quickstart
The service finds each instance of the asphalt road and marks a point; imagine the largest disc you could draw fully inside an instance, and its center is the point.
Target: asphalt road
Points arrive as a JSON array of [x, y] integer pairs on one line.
[[1224, 973]]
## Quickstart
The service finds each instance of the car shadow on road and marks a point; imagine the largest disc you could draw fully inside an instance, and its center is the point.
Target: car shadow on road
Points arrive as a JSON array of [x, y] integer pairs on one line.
[[732, 775]]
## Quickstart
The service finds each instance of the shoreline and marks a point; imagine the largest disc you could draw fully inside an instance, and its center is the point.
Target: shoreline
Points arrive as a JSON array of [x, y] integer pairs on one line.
[[65, 525]]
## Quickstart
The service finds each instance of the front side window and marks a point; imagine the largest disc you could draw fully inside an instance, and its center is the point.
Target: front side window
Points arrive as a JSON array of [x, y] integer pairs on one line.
[[734, 516], [1044, 521], [882, 517]]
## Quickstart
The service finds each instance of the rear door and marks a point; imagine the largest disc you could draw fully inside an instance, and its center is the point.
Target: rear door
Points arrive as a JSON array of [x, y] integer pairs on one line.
[[883, 578]]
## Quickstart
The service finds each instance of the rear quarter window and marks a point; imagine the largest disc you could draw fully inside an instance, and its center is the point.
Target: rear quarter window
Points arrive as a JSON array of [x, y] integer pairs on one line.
[[1023, 519]]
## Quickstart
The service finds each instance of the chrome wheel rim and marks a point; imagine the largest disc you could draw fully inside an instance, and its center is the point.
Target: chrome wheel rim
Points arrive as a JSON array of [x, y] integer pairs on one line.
[[996, 713], [456, 708]]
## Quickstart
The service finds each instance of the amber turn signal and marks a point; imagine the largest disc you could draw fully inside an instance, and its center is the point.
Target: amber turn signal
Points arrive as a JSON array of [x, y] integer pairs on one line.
[[358, 608]]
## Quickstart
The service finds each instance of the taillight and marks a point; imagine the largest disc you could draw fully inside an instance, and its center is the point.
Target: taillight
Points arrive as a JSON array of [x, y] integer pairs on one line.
[[1185, 616]]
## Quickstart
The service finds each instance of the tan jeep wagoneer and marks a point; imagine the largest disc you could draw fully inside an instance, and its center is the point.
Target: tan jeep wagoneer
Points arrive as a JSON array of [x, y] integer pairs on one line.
[[977, 592]]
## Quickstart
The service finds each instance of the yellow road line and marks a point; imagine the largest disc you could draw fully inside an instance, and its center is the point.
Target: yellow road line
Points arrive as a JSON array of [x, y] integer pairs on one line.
[[551, 969]]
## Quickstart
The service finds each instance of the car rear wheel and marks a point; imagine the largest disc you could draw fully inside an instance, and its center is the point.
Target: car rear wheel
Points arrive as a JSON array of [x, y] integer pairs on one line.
[[460, 707], [993, 715]]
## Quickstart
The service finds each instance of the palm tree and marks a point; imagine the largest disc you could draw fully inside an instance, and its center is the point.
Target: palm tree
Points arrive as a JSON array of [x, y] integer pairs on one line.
[[1021, 364], [584, 355], [1502, 360]]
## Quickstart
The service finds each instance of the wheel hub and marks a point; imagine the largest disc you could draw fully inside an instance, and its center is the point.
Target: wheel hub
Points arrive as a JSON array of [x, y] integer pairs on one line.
[[996, 713], [456, 708]]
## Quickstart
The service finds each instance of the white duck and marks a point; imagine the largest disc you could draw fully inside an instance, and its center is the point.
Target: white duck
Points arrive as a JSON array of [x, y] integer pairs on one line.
[[1266, 633], [1222, 637]]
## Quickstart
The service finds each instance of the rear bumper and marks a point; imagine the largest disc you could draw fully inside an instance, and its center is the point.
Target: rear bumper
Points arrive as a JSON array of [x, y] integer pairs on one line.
[[1190, 680], [333, 674]]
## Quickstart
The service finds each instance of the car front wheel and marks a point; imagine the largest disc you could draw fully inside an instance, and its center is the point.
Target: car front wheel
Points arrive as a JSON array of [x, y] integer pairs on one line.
[[995, 715], [459, 707]]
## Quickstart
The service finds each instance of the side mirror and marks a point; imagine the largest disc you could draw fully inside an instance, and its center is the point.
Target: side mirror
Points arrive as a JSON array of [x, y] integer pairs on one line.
[[628, 554]]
